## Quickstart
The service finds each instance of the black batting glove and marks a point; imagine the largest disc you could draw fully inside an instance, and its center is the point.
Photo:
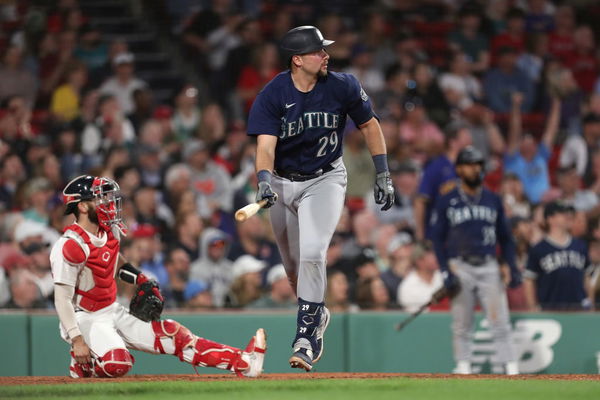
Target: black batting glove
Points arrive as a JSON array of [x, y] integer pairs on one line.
[[384, 190], [265, 192], [516, 279]]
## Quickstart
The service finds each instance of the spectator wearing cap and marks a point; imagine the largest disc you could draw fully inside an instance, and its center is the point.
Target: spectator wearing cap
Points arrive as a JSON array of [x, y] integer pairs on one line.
[[557, 267], [422, 281], [186, 116], [209, 179], [526, 158], [246, 285], [177, 264], [469, 39], [405, 178], [280, 295], [570, 191], [578, 149], [439, 177], [213, 267], [147, 248], [422, 137], [66, 98], [399, 249], [38, 192], [123, 82], [359, 166], [197, 295], [506, 78]]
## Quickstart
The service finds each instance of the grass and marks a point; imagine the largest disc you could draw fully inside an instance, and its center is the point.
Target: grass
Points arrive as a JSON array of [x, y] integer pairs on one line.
[[333, 389]]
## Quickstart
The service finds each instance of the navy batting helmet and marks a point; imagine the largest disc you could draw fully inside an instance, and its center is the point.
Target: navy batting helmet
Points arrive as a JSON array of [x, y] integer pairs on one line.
[[302, 40], [470, 155]]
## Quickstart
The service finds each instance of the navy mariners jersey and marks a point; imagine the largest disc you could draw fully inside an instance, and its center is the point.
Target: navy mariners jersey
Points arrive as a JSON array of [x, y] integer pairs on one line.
[[309, 125], [462, 225], [559, 273], [439, 177]]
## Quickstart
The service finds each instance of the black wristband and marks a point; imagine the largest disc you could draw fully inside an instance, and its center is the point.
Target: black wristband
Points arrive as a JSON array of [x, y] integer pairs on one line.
[[381, 164], [128, 273]]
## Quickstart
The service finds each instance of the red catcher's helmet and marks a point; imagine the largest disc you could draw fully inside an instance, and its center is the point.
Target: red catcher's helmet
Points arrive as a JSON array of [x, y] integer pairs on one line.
[[104, 192]]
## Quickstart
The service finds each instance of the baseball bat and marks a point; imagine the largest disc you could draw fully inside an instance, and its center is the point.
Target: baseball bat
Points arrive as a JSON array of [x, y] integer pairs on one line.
[[412, 316], [247, 211]]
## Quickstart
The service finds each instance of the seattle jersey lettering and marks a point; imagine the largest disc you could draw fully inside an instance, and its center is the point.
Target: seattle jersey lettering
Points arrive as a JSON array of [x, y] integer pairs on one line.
[[562, 259], [457, 216], [309, 120]]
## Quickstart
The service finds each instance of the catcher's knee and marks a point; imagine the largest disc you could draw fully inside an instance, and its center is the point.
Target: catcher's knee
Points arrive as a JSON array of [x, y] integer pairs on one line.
[[114, 364], [180, 335]]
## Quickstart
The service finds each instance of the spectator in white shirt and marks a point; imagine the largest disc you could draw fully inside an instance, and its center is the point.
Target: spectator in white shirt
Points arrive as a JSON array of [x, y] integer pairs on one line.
[[123, 83], [420, 283]]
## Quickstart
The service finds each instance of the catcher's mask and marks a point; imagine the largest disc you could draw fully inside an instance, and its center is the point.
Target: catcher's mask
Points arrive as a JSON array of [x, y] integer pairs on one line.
[[106, 195]]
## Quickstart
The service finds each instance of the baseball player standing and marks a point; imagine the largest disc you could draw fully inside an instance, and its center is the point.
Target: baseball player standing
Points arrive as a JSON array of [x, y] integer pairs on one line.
[[467, 224], [299, 119], [85, 263]]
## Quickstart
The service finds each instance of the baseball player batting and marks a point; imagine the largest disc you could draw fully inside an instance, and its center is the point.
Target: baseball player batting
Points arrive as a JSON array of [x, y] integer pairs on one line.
[[467, 224], [299, 119], [85, 263]]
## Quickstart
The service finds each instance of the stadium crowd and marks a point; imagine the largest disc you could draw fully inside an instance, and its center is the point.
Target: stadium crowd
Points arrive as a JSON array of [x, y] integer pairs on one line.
[[516, 79]]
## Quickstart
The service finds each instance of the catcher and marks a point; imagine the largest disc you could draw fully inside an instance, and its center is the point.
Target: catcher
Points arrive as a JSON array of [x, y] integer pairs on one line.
[[85, 264]]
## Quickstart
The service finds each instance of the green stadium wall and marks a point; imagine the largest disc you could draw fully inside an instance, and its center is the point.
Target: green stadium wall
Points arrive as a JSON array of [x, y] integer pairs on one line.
[[360, 342]]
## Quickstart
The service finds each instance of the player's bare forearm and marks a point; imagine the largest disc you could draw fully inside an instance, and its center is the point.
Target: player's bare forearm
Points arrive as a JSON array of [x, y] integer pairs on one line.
[[419, 210], [373, 135], [529, 286], [265, 152]]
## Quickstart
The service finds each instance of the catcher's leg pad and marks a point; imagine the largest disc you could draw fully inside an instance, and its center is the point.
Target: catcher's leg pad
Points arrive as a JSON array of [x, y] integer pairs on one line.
[[114, 364], [196, 350]]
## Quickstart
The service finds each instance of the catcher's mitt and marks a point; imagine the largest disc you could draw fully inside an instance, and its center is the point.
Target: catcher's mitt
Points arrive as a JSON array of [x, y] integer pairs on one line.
[[147, 304]]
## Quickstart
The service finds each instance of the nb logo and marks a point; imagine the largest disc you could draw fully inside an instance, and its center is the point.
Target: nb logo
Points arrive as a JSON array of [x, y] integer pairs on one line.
[[105, 256], [289, 105]]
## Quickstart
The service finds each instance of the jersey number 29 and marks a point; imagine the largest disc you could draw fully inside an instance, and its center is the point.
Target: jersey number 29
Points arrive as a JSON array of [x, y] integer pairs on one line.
[[332, 141]]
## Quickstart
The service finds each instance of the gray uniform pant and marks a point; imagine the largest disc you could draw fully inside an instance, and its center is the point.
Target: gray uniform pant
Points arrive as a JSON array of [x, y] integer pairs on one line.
[[483, 283], [304, 219]]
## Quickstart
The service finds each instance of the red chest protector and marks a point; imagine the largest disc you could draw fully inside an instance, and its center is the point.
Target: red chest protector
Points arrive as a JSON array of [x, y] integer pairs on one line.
[[101, 262]]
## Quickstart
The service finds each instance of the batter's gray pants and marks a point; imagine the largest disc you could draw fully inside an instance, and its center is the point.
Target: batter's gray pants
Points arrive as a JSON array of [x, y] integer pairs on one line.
[[304, 220], [483, 283]]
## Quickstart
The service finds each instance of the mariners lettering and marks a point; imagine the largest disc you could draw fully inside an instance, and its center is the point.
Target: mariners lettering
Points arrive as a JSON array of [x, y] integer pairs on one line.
[[459, 215], [562, 259], [309, 120]]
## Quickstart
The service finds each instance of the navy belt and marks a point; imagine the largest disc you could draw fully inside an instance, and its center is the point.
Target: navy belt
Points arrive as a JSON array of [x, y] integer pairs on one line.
[[300, 177], [476, 260]]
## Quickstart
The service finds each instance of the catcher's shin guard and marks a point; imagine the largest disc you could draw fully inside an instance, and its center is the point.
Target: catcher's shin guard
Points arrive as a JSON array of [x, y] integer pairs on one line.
[[196, 350]]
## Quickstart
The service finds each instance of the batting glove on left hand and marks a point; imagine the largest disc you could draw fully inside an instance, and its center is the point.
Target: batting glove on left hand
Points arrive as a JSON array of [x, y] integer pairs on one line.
[[265, 192], [384, 190]]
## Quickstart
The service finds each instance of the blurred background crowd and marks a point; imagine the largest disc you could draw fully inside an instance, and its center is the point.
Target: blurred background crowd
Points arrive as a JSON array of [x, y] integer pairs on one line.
[[155, 94]]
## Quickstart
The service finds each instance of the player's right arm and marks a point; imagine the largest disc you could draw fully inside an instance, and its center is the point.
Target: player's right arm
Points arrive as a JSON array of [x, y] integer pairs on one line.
[[265, 152], [66, 258], [531, 274]]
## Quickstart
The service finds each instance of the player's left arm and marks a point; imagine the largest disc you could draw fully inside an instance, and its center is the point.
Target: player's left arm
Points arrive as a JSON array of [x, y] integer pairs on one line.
[[507, 245], [127, 272]]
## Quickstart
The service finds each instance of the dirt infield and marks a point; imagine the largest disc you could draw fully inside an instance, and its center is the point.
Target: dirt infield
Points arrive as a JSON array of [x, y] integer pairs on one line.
[[57, 380]]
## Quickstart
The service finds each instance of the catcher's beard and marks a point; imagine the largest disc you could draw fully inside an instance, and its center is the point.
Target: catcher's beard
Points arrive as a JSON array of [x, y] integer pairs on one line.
[[93, 215]]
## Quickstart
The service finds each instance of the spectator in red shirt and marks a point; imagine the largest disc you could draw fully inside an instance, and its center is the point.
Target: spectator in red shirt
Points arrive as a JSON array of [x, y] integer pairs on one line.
[[582, 61], [264, 67], [561, 39], [513, 36]]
